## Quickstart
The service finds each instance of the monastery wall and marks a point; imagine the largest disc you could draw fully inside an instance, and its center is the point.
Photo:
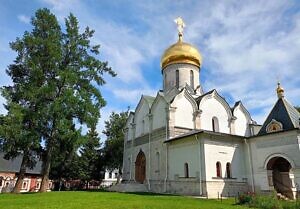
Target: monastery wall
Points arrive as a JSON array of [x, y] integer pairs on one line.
[[264, 148]]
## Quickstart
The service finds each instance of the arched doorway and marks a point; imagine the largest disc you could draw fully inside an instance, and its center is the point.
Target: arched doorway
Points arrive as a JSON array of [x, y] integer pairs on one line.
[[140, 167], [280, 168]]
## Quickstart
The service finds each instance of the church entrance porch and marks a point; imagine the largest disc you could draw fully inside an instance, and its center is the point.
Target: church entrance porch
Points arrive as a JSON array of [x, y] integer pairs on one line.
[[140, 168], [278, 169]]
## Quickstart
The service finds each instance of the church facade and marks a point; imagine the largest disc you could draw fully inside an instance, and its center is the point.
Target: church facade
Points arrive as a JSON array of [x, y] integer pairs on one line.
[[191, 142]]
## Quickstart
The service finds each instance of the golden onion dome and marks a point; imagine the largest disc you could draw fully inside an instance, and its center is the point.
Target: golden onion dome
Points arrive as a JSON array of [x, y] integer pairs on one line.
[[279, 90], [181, 52]]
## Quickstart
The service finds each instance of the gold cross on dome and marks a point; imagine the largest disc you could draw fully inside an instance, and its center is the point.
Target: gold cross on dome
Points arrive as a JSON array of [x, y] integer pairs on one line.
[[180, 25]]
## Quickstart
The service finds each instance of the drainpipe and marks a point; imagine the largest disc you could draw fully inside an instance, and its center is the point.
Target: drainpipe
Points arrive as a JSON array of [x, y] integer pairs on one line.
[[200, 167], [167, 126], [250, 162]]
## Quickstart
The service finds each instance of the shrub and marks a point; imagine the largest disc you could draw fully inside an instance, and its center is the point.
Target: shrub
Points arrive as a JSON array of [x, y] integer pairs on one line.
[[266, 202], [245, 198]]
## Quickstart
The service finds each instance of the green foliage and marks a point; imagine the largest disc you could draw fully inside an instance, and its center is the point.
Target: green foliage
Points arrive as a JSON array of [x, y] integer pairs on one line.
[[266, 202], [55, 77], [245, 198], [114, 144], [90, 157]]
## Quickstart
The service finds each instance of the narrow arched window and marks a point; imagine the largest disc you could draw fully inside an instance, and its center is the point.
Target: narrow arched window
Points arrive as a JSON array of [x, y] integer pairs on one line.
[[215, 124], [228, 170], [192, 79], [186, 170], [219, 169], [177, 78]]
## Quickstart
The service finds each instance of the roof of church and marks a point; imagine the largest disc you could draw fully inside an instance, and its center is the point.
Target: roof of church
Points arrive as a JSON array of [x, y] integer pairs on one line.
[[198, 131], [14, 165], [284, 113], [149, 99]]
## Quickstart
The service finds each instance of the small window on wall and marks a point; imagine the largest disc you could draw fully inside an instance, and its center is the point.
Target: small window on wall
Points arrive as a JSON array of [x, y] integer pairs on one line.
[[192, 79], [186, 170], [177, 78], [219, 169], [215, 124], [110, 175], [24, 185], [37, 185], [228, 170], [1, 179]]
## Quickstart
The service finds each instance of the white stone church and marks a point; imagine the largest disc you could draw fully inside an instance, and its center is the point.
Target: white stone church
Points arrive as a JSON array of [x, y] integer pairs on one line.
[[191, 142]]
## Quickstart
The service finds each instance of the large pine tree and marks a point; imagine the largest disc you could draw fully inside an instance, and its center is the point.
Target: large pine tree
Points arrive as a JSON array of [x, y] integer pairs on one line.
[[55, 78]]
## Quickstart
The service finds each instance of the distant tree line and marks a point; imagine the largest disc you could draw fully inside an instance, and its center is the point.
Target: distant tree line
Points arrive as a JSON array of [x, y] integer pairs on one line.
[[54, 93]]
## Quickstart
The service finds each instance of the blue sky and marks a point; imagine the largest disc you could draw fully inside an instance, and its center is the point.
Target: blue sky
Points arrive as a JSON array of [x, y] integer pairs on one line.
[[246, 45]]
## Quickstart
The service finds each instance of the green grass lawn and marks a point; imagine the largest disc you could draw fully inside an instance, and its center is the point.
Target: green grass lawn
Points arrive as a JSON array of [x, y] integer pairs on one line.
[[92, 200]]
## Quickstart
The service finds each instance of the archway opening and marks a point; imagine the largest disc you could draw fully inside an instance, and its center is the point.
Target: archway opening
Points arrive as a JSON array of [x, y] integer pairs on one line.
[[140, 167], [280, 168]]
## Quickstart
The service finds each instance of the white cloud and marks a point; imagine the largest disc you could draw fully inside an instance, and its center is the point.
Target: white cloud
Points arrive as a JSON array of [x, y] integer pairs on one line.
[[24, 19], [132, 96], [247, 46]]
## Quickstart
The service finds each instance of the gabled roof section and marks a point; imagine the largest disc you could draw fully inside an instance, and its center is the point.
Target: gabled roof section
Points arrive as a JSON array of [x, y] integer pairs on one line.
[[129, 118], [240, 104], [15, 164], [217, 96], [198, 99], [159, 95], [284, 113], [149, 99]]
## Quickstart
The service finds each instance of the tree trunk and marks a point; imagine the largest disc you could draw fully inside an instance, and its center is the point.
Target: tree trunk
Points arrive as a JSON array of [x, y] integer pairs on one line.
[[46, 170], [21, 174]]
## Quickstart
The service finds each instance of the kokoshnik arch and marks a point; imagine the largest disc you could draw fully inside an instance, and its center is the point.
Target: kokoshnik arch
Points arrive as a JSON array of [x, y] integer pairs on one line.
[[187, 141]]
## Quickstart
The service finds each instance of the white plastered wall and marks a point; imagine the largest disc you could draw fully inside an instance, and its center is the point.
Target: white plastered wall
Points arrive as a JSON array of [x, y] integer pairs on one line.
[[159, 113], [181, 152], [224, 152], [241, 124], [141, 118], [183, 111], [212, 107], [129, 127]]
